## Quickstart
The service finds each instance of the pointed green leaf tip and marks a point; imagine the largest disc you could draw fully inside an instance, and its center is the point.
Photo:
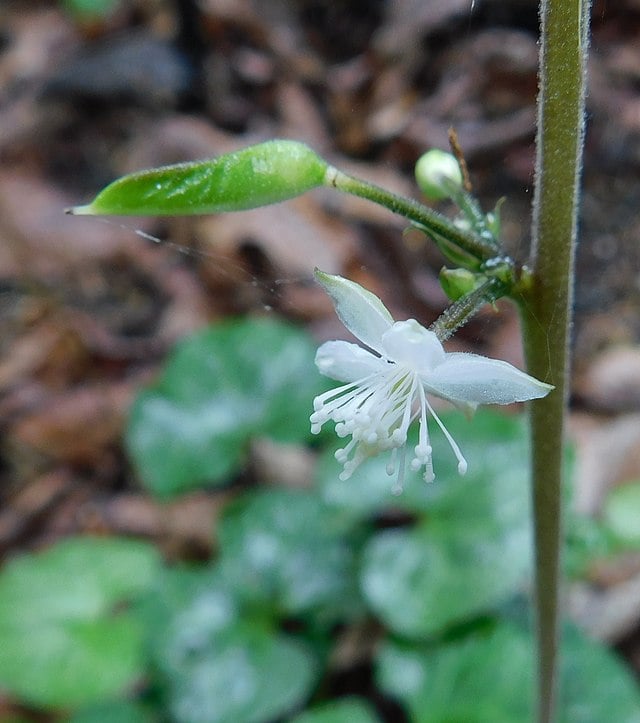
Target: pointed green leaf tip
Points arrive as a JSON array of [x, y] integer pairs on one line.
[[256, 176]]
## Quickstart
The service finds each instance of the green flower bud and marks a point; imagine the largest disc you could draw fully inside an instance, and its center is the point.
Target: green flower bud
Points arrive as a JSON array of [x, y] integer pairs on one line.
[[438, 174], [457, 283], [256, 176]]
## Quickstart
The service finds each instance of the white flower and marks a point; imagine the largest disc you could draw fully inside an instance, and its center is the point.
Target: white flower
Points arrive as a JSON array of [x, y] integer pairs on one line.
[[385, 391]]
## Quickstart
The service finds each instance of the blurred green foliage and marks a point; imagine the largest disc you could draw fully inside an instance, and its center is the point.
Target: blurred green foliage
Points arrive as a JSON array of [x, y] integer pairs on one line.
[[622, 514], [90, 10], [434, 580], [67, 635], [221, 388]]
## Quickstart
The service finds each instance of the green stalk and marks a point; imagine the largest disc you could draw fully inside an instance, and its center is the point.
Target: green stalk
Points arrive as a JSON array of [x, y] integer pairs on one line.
[[456, 315], [547, 307], [421, 215]]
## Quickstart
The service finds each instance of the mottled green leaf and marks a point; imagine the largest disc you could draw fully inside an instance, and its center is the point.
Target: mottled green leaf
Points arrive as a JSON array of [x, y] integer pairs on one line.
[[470, 551], [344, 710], [218, 667], [621, 513], [487, 676], [66, 638], [116, 712], [481, 678], [286, 549], [220, 388], [495, 446]]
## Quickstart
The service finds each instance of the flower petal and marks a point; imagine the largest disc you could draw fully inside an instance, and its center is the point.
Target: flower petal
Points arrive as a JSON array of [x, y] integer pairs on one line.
[[477, 379], [346, 362], [408, 342], [359, 310]]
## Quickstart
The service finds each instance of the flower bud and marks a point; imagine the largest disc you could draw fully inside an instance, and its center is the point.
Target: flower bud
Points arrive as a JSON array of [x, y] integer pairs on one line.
[[256, 176], [457, 283], [438, 174]]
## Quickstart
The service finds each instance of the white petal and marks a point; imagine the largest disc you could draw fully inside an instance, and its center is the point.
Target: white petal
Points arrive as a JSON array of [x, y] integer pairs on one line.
[[359, 310], [408, 342], [346, 362], [479, 380]]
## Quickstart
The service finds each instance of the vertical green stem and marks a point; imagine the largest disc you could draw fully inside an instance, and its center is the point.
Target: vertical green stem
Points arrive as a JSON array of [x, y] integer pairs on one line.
[[546, 308]]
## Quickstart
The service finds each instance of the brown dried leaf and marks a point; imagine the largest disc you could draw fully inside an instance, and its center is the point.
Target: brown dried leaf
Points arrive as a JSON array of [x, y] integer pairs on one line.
[[75, 427]]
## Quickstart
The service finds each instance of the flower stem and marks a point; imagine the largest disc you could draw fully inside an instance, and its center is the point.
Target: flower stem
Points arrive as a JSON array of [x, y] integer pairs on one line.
[[418, 213], [546, 306], [456, 315]]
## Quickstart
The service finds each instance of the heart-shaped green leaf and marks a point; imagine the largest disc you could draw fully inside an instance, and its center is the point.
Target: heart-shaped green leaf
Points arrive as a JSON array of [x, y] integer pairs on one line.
[[486, 676], [215, 666], [285, 548], [67, 639], [221, 387], [472, 547]]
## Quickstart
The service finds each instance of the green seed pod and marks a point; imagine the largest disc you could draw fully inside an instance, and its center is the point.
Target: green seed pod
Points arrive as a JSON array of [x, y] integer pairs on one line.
[[438, 174], [256, 176]]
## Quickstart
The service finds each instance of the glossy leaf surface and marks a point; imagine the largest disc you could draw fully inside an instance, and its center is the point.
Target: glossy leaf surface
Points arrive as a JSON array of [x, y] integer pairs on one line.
[[255, 176], [220, 388], [66, 638], [487, 676]]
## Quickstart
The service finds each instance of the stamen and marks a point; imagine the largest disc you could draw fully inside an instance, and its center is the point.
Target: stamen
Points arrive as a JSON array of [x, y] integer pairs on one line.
[[317, 419], [391, 465], [376, 412], [422, 450], [341, 429], [398, 487], [428, 475], [408, 405], [351, 465], [321, 399], [462, 462], [343, 402]]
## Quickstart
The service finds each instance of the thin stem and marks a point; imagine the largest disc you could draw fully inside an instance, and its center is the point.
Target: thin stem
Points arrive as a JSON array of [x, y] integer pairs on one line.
[[470, 207], [420, 214], [546, 306], [456, 315]]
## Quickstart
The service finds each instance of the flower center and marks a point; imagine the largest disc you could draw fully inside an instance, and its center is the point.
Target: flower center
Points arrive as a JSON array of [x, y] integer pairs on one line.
[[376, 412]]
